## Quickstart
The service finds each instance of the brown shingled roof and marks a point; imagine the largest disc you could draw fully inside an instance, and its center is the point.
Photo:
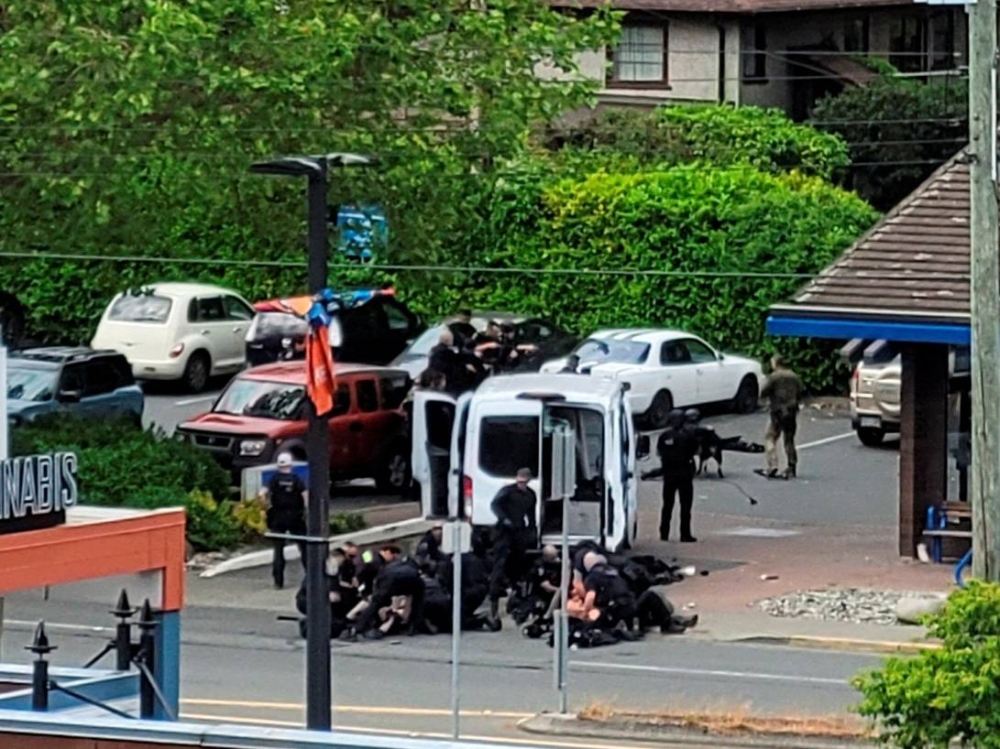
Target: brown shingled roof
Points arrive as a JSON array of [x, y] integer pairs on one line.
[[912, 263], [729, 6]]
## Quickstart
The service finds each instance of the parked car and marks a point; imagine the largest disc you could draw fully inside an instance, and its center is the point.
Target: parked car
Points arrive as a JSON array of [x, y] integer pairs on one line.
[[550, 340], [75, 381], [371, 328], [177, 331], [667, 369], [876, 394], [261, 414]]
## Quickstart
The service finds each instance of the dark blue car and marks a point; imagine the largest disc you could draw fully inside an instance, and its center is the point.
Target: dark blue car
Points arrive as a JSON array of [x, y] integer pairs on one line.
[[75, 381]]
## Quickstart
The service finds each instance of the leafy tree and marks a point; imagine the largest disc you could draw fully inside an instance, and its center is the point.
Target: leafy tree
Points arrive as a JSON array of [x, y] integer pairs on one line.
[[128, 125], [900, 131], [721, 135], [947, 695]]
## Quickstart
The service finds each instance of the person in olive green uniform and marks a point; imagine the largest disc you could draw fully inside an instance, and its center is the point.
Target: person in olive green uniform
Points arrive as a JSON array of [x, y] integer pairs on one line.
[[784, 391]]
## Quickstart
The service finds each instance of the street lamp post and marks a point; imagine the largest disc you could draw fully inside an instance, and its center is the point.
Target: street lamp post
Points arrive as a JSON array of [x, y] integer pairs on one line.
[[318, 662]]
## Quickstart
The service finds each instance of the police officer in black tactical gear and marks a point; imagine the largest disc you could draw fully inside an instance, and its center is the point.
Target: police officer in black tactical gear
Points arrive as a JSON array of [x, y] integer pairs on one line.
[[286, 495], [514, 507], [676, 448]]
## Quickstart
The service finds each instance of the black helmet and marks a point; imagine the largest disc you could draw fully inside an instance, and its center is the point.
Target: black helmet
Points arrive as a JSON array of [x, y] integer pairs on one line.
[[675, 418], [692, 416]]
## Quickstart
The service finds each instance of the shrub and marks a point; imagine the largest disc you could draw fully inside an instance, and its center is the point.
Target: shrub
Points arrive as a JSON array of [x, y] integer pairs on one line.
[[346, 522], [686, 221], [947, 695], [211, 525], [900, 131], [633, 140], [121, 465]]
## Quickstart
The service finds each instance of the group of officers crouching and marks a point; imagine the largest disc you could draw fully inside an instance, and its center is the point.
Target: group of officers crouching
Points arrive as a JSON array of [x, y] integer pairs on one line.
[[383, 592]]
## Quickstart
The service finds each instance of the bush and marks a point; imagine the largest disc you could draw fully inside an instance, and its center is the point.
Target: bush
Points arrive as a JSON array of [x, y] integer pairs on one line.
[[947, 695], [687, 220], [212, 525], [720, 135], [121, 465], [346, 522], [900, 131]]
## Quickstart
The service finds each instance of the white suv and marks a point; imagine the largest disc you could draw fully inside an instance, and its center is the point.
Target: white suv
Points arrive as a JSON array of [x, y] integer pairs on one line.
[[177, 331]]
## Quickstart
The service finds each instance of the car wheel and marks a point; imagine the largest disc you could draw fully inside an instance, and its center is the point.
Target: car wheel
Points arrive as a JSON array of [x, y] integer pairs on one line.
[[870, 437], [745, 401], [196, 372], [659, 409], [394, 477]]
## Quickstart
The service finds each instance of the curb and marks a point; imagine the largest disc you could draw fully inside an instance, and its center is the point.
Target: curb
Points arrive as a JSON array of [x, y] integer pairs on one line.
[[379, 534], [624, 730], [842, 644]]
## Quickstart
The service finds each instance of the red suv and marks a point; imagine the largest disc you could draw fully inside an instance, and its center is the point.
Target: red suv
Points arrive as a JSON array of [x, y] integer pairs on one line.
[[261, 413]]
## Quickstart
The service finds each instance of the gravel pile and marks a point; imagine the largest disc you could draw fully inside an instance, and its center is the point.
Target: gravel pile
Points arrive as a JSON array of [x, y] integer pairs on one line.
[[847, 605]]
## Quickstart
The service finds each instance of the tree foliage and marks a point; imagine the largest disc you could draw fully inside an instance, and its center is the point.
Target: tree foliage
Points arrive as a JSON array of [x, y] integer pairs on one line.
[[900, 131], [945, 695], [720, 135], [709, 238], [128, 126]]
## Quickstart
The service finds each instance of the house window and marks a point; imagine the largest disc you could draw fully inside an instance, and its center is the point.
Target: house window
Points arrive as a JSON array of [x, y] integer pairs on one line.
[[856, 34], [754, 53], [942, 38], [908, 43], [641, 56]]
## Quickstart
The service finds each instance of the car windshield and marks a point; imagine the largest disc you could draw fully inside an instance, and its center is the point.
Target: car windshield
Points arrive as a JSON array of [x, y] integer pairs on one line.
[[280, 324], [425, 341], [141, 308], [28, 384], [622, 352], [265, 400]]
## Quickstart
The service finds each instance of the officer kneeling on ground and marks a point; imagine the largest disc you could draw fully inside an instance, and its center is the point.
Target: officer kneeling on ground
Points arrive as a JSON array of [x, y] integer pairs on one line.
[[619, 606]]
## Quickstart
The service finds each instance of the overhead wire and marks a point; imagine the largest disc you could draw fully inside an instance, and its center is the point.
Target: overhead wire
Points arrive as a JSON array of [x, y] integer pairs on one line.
[[480, 269]]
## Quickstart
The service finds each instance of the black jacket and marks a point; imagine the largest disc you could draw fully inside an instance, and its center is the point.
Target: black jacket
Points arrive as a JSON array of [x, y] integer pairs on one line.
[[677, 447], [515, 508]]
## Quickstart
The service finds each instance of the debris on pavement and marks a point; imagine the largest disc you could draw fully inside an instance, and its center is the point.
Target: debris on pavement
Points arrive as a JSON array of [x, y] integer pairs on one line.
[[855, 605]]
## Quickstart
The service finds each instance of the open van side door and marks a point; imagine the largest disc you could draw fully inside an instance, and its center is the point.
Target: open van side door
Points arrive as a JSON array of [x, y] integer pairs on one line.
[[457, 501], [433, 428]]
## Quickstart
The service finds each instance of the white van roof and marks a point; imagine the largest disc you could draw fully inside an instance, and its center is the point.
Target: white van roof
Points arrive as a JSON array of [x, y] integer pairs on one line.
[[574, 387]]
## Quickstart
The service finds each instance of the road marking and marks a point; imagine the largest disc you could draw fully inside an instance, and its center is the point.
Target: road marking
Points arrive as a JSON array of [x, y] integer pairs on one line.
[[360, 709], [703, 672], [826, 440], [413, 734], [56, 625], [192, 401]]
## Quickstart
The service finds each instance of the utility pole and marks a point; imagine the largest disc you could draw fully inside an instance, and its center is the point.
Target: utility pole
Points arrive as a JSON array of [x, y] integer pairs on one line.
[[985, 291]]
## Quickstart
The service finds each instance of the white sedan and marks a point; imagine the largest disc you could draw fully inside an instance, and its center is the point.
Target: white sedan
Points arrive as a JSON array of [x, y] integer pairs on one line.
[[666, 369]]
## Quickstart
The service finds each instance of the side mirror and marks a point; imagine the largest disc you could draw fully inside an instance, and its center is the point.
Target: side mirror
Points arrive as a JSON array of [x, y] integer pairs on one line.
[[721, 356], [69, 396], [642, 447]]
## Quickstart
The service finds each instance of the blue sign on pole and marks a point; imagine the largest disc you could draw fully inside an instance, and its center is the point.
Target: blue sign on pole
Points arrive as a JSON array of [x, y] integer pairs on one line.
[[363, 229]]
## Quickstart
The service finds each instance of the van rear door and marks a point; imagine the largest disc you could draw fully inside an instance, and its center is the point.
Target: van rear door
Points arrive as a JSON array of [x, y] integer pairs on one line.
[[502, 437], [433, 428]]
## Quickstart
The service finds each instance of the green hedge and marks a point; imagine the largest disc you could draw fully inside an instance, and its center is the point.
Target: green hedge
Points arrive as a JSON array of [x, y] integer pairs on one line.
[[949, 695], [733, 222], [613, 195], [635, 140], [123, 466]]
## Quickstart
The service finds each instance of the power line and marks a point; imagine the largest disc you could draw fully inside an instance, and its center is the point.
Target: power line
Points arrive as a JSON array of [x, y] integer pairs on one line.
[[471, 269]]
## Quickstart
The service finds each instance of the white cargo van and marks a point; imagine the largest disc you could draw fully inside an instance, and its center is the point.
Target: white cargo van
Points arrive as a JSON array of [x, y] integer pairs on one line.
[[466, 449]]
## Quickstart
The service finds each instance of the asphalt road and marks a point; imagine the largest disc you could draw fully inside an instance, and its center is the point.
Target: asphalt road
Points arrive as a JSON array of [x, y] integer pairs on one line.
[[243, 666], [166, 406]]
